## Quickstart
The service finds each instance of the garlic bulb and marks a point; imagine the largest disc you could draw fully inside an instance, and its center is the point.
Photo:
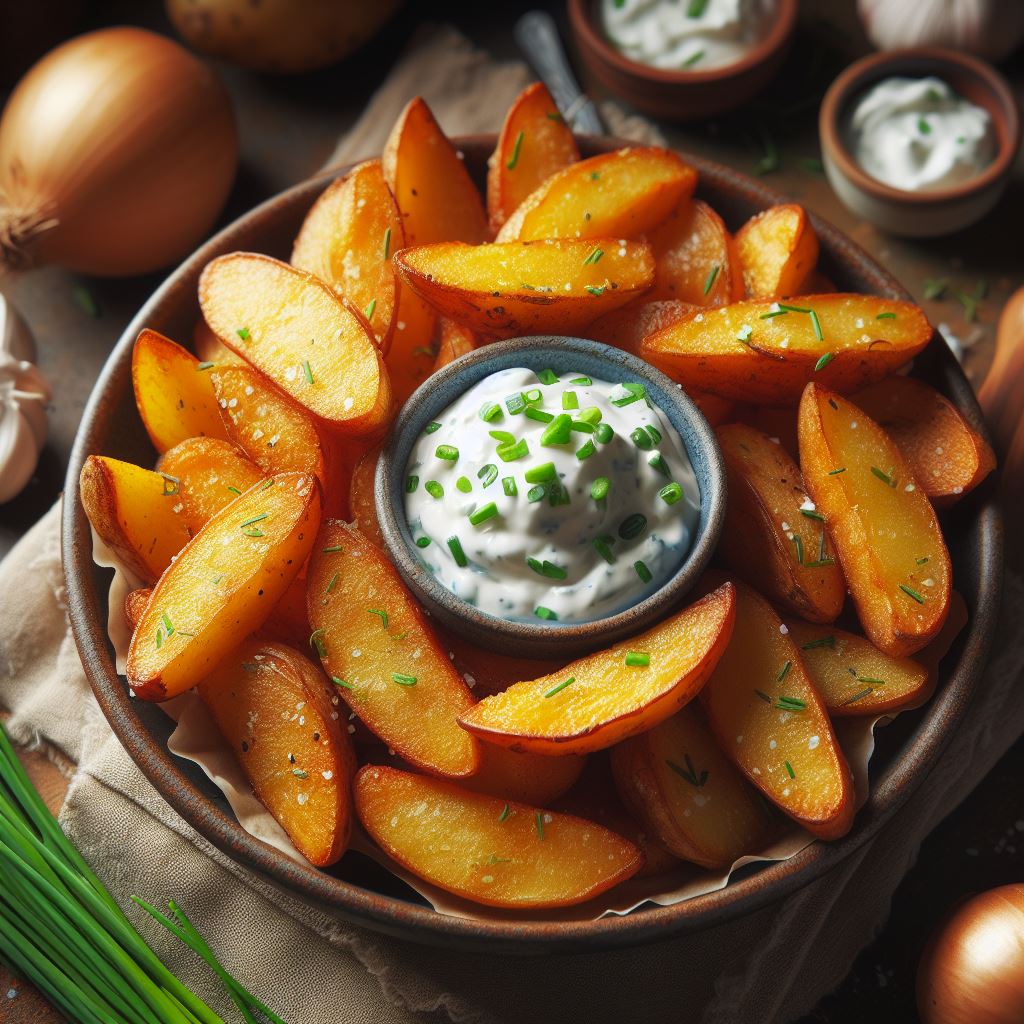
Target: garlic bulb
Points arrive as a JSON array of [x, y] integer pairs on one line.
[[23, 397], [986, 28]]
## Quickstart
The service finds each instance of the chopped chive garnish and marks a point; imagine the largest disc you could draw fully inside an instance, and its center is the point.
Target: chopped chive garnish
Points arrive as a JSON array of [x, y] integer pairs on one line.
[[541, 473], [505, 812], [482, 514], [586, 451], [243, 333], [636, 392], [316, 641], [206, 366], [381, 614], [502, 436], [599, 488], [514, 158], [604, 433], [560, 687], [402, 679], [836, 472], [812, 513], [791, 704], [448, 452], [332, 584], [491, 412], [536, 493], [657, 461], [871, 679], [343, 683], [455, 547], [167, 624], [591, 415], [387, 243], [422, 542], [857, 696], [911, 592], [539, 415], [641, 438], [333, 549], [883, 476], [509, 486], [582, 381], [487, 474], [434, 489], [784, 671], [694, 58], [538, 820], [637, 659], [431, 427], [570, 401], [642, 571], [922, 561], [512, 452], [412, 481], [307, 371], [798, 541], [816, 324], [603, 546], [595, 255], [255, 519], [533, 396], [300, 773], [558, 431], [632, 526], [793, 309], [464, 484], [547, 377], [709, 281], [886, 316], [515, 404], [670, 493], [923, 126], [789, 770], [935, 287], [824, 361], [545, 613], [822, 641], [233, 490], [547, 569], [689, 772], [596, 289], [254, 531]]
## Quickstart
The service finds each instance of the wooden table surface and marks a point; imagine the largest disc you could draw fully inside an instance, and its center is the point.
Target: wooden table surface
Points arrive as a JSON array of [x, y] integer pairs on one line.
[[288, 128]]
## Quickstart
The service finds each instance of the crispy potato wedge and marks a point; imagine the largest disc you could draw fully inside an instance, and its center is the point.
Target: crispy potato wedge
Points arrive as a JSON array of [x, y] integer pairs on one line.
[[619, 195], [756, 352], [224, 585], [430, 183], [273, 708], [375, 643], [503, 854], [773, 537], [525, 778], [210, 349], [172, 392], [534, 143], [361, 500], [599, 700], [347, 239], [778, 250], [455, 340], [880, 520], [771, 723], [684, 790], [135, 602], [297, 331], [946, 455], [519, 287], [410, 361], [852, 675], [137, 513]]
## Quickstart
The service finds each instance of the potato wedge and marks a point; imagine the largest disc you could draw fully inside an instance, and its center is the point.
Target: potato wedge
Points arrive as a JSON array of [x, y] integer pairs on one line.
[[627, 328], [946, 455], [297, 331], [771, 723], [525, 778], [778, 250], [765, 353], [599, 700], [410, 360], [880, 520], [489, 672], [510, 289], [687, 793], [852, 675], [288, 623], [224, 585], [534, 143], [502, 854], [137, 513], [172, 392], [210, 349], [347, 239], [430, 183], [362, 502], [135, 602], [376, 644], [623, 194], [774, 537], [455, 340], [273, 708]]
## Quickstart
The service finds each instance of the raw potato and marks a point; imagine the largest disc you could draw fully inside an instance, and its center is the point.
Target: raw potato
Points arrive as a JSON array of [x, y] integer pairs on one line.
[[455, 341], [946, 455], [534, 143], [623, 194], [410, 360], [883, 526], [430, 183], [752, 352], [294, 329], [135, 512], [771, 723], [685, 791], [503, 854], [773, 536], [778, 250], [224, 585], [607, 700], [174, 396], [853, 676], [361, 499], [526, 778], [273, 708], [347, 239], [376, 644], [518, 288]]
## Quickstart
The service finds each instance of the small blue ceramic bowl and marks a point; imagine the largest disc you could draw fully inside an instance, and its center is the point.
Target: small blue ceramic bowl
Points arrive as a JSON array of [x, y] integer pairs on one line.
[[561, 354]]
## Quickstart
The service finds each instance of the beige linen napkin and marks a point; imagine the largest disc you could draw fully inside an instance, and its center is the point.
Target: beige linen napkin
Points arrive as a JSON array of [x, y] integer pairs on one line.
[[315, 969]]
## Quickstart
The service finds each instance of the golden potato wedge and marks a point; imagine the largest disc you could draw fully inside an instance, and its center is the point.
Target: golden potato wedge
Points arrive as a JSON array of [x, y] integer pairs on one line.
[[361, 500], [880, 520], [288, 623], [455, 340], [135, 604], [137, 513], [430, 183], [210, 349], [347, 240], [619, 195], [599, 700], [519, 287], [410, 360], [778, 250], [224, 585], [273, 708], [525, 778], [375, 643], [774, 537], [767, 352], [534, 143], [771, 723], [946, 455], [488, 850], [684, 790], [852, 675], [172, 392], [297, 331]]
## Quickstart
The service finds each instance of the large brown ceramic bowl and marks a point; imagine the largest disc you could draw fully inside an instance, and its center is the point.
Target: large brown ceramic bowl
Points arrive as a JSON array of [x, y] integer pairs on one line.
[[357, 889]]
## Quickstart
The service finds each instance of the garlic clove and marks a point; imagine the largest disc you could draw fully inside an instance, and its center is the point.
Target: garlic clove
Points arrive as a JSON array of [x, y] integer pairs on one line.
[[15, 337]]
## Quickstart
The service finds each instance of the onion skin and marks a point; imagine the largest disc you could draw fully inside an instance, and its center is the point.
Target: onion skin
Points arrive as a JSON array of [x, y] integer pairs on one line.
[[117, 151], [973, 969]]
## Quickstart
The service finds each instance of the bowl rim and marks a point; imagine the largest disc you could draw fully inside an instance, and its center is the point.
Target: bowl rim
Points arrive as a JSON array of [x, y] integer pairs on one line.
[[570, 637], [864, 72], [583, 24], [87, 607]]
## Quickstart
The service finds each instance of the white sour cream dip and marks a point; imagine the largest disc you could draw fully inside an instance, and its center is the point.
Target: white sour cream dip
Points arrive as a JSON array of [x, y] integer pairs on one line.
[[917, 134], [687, 35], [543, 497]]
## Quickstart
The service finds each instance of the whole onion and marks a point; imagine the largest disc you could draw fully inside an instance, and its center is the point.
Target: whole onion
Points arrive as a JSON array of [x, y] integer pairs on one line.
[[117, 151]]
